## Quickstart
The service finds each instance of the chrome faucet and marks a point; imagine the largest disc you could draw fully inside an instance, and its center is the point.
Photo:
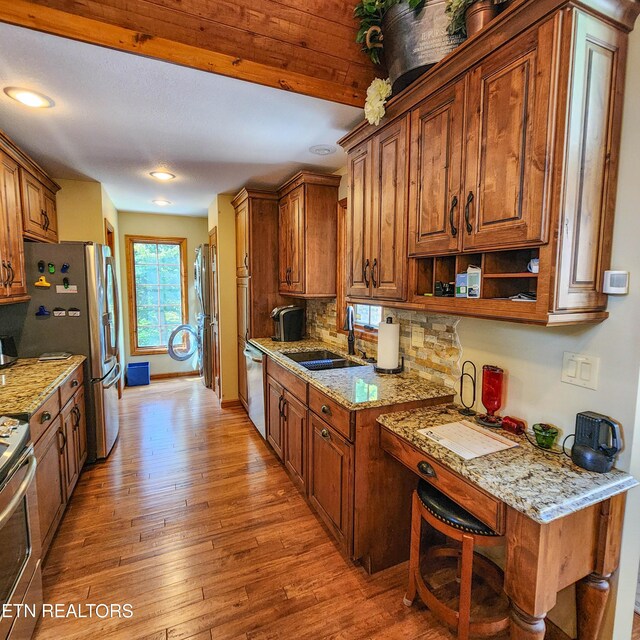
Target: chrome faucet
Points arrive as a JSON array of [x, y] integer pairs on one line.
[[349, 325]]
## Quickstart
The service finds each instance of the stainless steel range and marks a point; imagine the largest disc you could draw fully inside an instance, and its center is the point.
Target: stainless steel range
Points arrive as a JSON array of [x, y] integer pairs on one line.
[[20, 572]]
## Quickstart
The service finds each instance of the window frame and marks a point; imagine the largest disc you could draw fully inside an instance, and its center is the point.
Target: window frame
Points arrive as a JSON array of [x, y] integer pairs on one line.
[[130, 241]]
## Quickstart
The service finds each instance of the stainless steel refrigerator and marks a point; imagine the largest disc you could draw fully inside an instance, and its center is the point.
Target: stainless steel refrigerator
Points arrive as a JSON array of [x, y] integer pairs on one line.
[[78, 313], [186, 340]]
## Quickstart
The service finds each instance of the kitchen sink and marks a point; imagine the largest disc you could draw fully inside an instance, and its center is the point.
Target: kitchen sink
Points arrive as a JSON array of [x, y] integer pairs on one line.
[[321, 360]]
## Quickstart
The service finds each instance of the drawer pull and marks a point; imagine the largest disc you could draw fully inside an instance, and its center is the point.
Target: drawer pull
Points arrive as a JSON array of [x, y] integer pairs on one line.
[[426, 469], [326, 409], [74, 383], [45, 417], [325, 434]]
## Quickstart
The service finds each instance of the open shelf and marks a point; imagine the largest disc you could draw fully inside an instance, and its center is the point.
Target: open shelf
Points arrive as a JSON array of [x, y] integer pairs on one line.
[[526, 274]]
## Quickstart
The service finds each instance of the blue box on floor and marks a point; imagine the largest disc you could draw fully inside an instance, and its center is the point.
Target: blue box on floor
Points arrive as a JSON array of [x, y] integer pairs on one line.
[[138, 374]]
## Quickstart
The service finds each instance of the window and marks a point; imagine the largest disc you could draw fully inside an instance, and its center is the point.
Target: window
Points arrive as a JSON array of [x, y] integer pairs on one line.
[[367, 316], [157, 277]]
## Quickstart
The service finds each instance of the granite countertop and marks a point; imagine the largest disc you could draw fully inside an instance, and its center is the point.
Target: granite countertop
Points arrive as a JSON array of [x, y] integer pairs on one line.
[[543, 486], [354, 387], [26, 384]]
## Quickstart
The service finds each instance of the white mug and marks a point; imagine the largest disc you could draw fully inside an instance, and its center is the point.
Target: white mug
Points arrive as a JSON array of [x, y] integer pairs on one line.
[[534, 265]]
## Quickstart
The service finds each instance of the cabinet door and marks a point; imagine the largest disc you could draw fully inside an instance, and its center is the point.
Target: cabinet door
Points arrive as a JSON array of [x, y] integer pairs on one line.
[[296, 241], [330, 477], [11, 248], [273, 413], [283, 244], [358, 222], [435, 191], [509, 109], [389, 215], [33, 218], [49, 205], [242, 239], [295, 435], [242, 301], [69, 418], [242, 374], [50, 481], [80, 429]]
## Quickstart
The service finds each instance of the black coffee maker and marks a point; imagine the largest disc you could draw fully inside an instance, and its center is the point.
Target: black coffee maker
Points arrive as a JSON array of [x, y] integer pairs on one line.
[[597, 442], [288, 323]]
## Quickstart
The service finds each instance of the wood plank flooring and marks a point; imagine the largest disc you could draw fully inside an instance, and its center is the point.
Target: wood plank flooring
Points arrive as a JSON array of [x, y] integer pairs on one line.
[[194, 522], [636, 627]]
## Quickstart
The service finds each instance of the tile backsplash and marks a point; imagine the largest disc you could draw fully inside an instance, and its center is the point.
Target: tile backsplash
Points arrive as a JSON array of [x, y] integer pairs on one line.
[[436, 359]]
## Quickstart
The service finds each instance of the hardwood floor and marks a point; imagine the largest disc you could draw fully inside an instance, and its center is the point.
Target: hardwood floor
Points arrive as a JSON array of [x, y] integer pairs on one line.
[[194, 522], [636, 627]]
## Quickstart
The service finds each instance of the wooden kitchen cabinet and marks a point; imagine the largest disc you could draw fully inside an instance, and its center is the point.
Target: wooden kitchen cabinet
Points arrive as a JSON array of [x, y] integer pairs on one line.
[[513, 157], [243, 389], [307, 212], [39, 215], [295, 439], [51, 481], [274, 398], [80, 428], [13, 286], [68, 417], [242, 239], [377, 217], [330, 477]]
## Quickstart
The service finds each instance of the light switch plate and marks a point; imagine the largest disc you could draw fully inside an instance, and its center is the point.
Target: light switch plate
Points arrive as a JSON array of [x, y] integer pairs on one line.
[[417, 336], [580, 370]]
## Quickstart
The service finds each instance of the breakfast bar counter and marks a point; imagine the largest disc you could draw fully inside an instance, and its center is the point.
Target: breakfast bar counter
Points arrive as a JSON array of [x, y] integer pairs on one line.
[[561, 524]]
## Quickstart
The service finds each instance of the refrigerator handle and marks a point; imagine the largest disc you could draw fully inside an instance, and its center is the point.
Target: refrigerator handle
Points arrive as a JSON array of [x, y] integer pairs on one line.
[[116, 302]]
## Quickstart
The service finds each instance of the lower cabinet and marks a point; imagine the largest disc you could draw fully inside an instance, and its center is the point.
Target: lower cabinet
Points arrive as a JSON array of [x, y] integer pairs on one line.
[[61, 451], [51, 481], [295, 439], [273, 413], [330, 477]]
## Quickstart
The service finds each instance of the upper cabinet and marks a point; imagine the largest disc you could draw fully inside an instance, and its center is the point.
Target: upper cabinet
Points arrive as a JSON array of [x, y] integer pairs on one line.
[[377, 216], [307, 227], [512, 164], [39, 217]]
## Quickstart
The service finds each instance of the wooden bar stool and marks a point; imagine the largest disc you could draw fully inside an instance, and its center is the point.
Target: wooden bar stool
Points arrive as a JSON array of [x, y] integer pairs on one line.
[[447, 517]]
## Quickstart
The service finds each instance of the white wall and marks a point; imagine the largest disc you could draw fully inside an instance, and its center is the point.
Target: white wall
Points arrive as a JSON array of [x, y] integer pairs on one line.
[[533, 356]]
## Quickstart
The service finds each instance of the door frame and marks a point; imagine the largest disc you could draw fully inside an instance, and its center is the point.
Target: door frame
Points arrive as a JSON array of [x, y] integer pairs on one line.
[[110, 241]]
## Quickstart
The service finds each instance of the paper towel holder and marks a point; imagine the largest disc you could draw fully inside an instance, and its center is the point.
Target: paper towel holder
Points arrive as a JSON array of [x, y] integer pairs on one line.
[[399, 369]]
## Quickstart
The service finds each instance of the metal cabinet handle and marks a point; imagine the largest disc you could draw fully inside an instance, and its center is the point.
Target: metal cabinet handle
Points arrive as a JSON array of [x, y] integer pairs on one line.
[[466, 212], [74, 383], [281, 406], [246, 260], [326, 409], [365, 273], [5, 282], [45, 417], [43, 217], [12, 274], [64, 440], [426, 469], [454, 204], [325, 434], [374, 273], [78, 416]]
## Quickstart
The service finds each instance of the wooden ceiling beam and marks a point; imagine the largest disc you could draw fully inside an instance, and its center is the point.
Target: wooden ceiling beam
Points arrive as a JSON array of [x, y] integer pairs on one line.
[[308, 50]]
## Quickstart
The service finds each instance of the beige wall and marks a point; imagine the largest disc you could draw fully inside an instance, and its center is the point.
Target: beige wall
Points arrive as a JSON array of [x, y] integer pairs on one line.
[[222, 216], [79, 204], [533, 359], [145, 224]]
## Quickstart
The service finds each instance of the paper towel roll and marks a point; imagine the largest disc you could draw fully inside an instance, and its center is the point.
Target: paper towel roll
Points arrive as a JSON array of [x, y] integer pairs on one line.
[[388, 345]]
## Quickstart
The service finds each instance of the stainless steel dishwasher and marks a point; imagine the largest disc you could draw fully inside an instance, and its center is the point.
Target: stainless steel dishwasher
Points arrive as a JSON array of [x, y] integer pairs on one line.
[[254, 359]]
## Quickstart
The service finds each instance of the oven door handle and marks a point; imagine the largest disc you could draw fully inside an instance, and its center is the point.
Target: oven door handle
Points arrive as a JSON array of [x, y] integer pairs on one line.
[[22, 490]]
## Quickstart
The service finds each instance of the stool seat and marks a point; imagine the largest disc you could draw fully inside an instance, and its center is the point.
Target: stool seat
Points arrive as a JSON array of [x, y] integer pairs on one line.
[[452, 514]]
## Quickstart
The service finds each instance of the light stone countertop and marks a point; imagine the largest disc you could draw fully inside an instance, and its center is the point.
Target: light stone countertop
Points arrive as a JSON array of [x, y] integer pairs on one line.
[[27, 383], [354, 387], [543, 486]]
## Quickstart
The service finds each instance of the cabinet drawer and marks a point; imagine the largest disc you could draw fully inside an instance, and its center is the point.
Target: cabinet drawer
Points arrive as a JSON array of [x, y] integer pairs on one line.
[[290, 381], [330, 411], [44, 416], [483, 506], [71, 385]]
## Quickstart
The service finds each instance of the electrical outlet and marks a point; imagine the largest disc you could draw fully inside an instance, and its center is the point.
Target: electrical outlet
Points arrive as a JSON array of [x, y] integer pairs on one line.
[[580, 370], [417, 336]]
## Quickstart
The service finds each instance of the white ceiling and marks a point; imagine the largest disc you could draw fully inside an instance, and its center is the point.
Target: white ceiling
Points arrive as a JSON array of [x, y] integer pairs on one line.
[[118, 116]]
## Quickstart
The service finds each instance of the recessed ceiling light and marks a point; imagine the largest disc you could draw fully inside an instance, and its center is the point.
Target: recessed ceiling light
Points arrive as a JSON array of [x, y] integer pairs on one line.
[[29, 98], [322, 149], [161, 203], [162, 175]]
